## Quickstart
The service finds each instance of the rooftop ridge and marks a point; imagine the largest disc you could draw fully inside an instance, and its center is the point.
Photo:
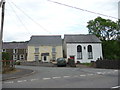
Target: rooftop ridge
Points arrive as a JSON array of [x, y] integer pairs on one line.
[[44, 35]]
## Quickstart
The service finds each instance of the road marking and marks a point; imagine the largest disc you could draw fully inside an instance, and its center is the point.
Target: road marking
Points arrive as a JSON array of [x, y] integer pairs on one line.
[[115, 87], [46, 78], [33, 79], [90, 74], [83, 75], [9, 82], [115, 70], [99, 73], [21, 81], [56, 77], [66, 76]]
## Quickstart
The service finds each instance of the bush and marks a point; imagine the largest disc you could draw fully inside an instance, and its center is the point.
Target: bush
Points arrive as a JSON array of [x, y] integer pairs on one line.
[[111, 49]]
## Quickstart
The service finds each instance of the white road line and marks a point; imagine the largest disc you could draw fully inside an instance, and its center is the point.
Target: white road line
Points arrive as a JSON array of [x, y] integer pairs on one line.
[[46, 78], [99, 73], [116, 87], [115, 70], [82, 75], [34, 79], [90, 74], [21, 81], [56, 77], [9, 82], [66, 76]]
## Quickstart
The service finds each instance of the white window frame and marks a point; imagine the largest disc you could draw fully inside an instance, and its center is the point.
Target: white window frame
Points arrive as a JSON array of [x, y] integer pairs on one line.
[[3, 50], [15, 57], [22, 56], [15, 50]]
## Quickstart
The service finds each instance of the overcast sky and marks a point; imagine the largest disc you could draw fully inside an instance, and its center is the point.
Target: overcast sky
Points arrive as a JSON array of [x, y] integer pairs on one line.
[[24, 18]]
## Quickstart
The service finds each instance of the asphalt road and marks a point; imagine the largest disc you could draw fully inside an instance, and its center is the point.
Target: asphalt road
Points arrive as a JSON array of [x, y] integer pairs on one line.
[[65, 77]]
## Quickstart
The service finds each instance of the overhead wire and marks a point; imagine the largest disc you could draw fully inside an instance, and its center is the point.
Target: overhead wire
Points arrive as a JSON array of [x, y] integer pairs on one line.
[[31, 18], [19, 19], [81, 9]]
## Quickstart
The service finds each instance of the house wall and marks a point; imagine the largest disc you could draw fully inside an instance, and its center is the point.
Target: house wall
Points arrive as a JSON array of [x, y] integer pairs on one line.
[[19, 52], [43, 49], [96, 49]]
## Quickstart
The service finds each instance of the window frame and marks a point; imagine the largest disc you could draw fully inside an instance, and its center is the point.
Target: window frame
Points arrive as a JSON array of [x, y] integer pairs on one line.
[[90, 53], [79, 52]]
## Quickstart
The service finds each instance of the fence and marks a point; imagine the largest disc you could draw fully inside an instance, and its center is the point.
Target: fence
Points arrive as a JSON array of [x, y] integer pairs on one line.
[[108, 64]]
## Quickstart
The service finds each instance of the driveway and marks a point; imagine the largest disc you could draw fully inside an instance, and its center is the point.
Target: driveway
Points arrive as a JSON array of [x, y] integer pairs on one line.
[[65, 77]]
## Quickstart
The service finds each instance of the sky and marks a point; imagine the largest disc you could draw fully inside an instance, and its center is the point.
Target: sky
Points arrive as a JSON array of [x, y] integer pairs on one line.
[[24, 18]]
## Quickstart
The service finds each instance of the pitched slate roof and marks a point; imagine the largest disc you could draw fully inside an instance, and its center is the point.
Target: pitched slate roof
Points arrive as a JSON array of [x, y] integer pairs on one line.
[[45, 40], [81, 38], [14, 45]]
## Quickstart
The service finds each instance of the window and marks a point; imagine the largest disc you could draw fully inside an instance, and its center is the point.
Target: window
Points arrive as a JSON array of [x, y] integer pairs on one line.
[[21, 57], [53, 49], [90, 55], [36, 57], [15, 57], [15, 50], [79, 52], [36, 49], [4, 50]]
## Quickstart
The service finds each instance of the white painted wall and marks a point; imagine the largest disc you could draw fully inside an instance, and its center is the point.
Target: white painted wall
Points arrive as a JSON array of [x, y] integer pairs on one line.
[[96, 49]]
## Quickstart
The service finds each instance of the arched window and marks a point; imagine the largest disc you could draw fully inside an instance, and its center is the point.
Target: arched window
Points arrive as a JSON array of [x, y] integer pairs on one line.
[[79, 52], [90, 55]]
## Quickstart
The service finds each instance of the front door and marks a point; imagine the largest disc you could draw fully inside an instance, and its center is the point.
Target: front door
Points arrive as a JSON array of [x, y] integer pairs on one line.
[[36, 57], [45, 58]]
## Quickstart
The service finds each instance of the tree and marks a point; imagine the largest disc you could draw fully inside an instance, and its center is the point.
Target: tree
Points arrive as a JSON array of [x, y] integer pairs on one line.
[[5, 56], [111, 49], [104, 29]]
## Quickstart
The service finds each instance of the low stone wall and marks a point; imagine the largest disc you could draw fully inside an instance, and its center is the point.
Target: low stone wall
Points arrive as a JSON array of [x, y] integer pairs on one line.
[[108, 64]]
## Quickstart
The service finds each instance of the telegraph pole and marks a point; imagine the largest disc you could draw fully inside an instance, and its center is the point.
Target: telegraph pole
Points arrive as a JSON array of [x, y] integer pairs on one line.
[[2, 5], [119, 10]]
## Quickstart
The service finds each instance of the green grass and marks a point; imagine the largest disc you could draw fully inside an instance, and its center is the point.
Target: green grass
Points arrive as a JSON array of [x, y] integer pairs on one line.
[[87, 64]]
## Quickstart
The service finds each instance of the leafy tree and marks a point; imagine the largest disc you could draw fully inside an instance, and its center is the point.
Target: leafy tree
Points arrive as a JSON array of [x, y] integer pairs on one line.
[[5, 56], [105, 29], [111, 49]]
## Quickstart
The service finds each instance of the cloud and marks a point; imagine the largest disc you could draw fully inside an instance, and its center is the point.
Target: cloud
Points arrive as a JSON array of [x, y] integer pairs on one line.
[[55, 18]]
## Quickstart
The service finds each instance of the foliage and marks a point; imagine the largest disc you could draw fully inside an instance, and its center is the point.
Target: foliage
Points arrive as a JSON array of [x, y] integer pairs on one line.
[[111, 49], [87, 64], [5, 56], [105, 29]]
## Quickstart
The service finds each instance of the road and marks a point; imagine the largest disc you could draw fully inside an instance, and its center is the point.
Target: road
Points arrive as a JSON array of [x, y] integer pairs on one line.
[[65, 77]]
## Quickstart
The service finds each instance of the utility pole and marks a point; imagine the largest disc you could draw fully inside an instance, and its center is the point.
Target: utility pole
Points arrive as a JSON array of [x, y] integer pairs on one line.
[[119, 11], [2, 5]]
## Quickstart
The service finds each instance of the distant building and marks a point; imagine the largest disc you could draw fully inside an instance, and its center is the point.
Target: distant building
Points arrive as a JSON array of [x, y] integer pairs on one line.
[[82, 48], [16, 50], [44, 48]]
